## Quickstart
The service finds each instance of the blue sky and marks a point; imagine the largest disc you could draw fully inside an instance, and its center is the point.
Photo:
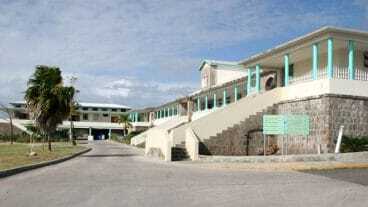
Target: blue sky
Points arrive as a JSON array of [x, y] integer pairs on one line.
[[146, 52]]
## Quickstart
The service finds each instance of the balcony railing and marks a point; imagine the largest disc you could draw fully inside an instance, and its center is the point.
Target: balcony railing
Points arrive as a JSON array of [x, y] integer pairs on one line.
[[338, 73]]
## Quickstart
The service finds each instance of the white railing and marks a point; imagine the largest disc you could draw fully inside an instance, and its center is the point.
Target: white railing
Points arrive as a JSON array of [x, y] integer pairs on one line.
[[361, 75], [340, 72]]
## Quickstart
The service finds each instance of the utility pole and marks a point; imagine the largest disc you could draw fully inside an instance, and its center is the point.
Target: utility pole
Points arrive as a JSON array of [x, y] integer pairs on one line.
[[72, 81]]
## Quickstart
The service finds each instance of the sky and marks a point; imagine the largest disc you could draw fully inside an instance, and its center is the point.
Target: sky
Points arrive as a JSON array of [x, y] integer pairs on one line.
[[144, 53]]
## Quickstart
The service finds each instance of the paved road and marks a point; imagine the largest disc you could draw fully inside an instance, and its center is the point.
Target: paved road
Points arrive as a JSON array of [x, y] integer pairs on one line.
[[118, 175]]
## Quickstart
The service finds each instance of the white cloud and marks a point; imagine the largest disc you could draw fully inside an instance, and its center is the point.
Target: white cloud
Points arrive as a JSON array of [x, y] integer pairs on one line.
[[157, 44]]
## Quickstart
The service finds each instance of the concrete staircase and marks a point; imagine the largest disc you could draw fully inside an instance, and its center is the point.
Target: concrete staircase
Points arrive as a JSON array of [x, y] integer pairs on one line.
[[244, 138], [224, 131], [178, 152]]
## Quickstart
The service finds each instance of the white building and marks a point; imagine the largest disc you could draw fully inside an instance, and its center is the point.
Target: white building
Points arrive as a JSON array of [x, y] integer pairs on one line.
[[93, 121]]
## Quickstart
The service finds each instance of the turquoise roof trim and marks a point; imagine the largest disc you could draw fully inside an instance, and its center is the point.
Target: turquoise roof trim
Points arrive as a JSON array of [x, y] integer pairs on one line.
[[220, 62]]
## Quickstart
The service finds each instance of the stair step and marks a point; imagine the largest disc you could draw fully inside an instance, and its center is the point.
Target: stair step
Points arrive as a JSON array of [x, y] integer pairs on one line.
[[179, 153]]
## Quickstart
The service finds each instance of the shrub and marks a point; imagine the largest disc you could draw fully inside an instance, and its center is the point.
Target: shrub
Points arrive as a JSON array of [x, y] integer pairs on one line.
[[354, 144]]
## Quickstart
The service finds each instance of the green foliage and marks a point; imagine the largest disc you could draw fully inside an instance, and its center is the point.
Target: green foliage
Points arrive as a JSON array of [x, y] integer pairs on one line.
[[354, 144], [48, 100], [125, 121], [126, 139]]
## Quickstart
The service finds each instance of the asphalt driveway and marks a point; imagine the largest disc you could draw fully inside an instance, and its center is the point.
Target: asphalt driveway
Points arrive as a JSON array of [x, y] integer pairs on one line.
[[118, 175]]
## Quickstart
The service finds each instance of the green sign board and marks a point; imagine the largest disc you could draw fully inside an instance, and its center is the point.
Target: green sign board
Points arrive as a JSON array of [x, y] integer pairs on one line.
[[298, 125], [273, 124], [286, 124]]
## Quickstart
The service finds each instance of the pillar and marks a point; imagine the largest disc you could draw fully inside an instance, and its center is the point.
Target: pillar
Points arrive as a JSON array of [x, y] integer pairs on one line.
[[315, 61], [249, 80], [214, 101], [258, 78], [224, 98], [330, 58], [236, 93], [351, 59], [109, 133], [286, 70], [90, 131]]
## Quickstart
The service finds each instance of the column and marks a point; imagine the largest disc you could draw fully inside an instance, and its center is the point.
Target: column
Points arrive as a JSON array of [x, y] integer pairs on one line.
[[90, 131], [286, 70], [330, 58], [236, 93], [315, 61], [258, 78], [351, 59], [249, 80], [206, 103], [224, 98], [198, 104], [161, 114], [214, 100], [109, 133], [168, 112]]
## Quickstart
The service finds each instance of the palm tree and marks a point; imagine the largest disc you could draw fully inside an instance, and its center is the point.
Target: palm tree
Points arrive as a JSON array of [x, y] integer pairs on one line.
[[125, 121], [48, 100]]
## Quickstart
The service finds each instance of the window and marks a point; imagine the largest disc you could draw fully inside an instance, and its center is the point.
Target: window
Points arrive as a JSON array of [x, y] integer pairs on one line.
[[85, 116], [105, 115], [95, 109], [85, 109], [123, 110], [104, 109], [113, 110]]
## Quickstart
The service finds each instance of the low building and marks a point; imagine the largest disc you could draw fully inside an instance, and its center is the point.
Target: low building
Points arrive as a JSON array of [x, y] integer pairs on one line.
[[92, 121]]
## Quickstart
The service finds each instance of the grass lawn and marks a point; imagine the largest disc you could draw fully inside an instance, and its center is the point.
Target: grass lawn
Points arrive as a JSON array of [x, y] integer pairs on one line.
[[15, 155]]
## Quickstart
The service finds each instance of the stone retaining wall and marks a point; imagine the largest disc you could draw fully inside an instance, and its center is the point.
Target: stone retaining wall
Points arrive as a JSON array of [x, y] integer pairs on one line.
[[327, 113]]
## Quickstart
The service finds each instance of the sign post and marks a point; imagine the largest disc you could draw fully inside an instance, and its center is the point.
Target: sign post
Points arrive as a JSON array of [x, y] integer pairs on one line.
[[285, 125]]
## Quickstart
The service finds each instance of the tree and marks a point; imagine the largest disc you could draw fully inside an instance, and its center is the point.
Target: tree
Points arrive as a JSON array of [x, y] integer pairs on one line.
[[10, 116], [48, 101], [125, 121]]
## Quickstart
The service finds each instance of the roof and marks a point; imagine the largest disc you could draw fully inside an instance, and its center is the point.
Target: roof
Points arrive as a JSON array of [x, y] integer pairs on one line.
[[301, 39], [229, 64], [92, 105], [103, 105]]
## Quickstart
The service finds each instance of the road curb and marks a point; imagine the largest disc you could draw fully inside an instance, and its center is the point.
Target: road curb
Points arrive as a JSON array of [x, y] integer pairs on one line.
[[13, 171]]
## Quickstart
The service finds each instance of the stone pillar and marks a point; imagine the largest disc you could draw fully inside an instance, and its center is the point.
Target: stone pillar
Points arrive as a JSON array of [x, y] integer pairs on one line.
[[315, 61], [330, 59], [351, 59]]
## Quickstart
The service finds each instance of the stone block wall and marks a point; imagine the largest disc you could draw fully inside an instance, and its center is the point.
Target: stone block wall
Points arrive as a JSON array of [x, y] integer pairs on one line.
[[327, 113]]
